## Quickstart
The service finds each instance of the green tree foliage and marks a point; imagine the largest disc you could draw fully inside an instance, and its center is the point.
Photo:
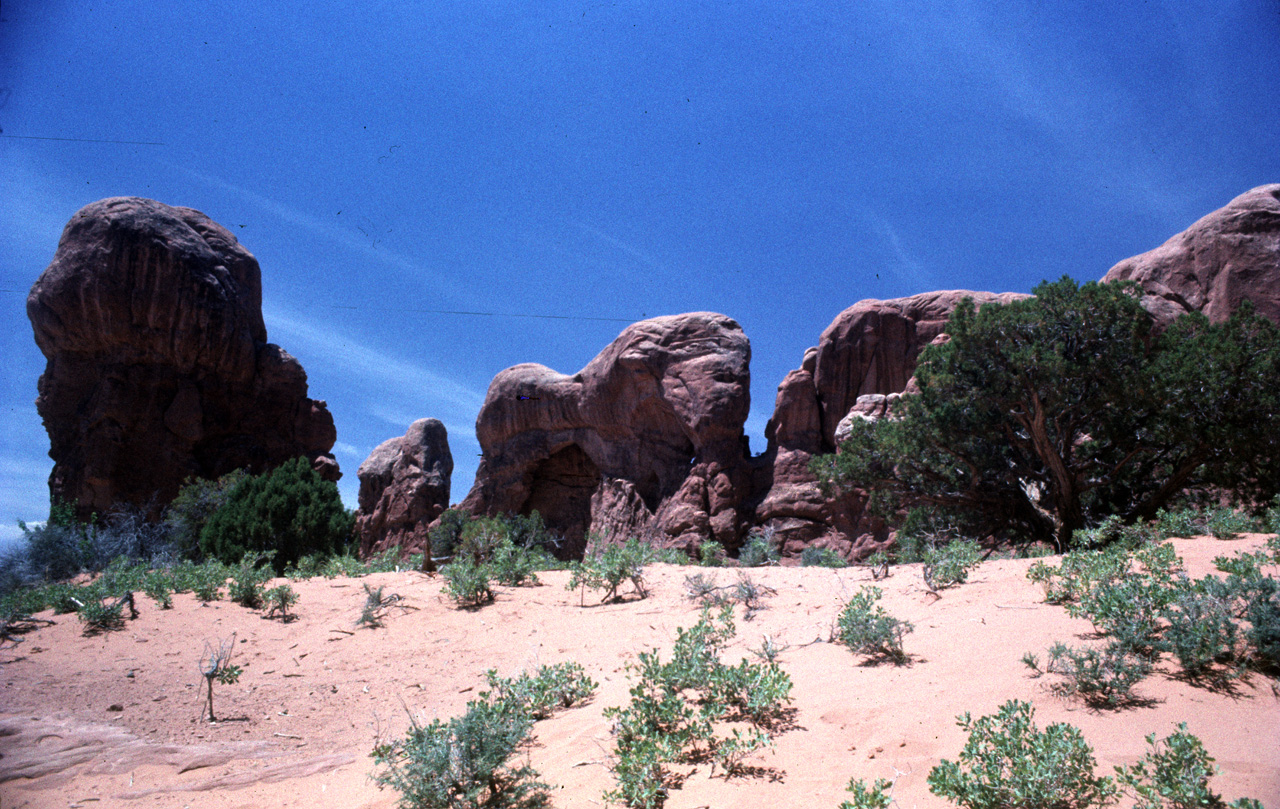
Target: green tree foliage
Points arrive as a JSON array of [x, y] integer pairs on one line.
[[197, 501], [289, 510], [1046, 415]]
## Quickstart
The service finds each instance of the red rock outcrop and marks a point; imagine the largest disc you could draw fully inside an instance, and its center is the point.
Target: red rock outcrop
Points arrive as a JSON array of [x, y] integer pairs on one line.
[[159, 368], [1225, 257], [646, 439], [404, 485], [868, 351]]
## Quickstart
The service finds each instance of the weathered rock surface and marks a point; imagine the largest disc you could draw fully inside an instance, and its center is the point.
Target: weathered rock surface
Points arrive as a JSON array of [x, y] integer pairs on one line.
[[1225, 257], [865, 356], [159, 368], [404, 485], [645, 440]]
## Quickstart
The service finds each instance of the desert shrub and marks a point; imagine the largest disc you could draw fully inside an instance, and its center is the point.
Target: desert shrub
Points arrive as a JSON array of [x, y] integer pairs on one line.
[[447, 533], [676, 704], [607, 568], [463, 763], [468, 582], [1174, 774], [280, 600], [761, 549], [703, 589], [1201, 633], [1008, 762], [342, 565], [712, 554], [1112, 532], [386, 562], [1225, 523], [62, 598], [158, 586], [100, 615], [821, 557], [1263, 613], [122, 575], [531, 533], [1103, 678], [248, 579], [196, 502], [513, 565], [948, 565], [1180, 522], [205, 580], [867, 629], [875, 796], [289, 509], [552, 688]]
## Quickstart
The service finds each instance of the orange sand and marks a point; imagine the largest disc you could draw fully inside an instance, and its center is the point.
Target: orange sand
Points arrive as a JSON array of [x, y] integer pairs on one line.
[[317, 693]]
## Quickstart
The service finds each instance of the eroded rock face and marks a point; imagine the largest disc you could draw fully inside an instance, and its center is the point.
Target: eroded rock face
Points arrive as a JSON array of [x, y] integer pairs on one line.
[[404, 485], [159, 368], [1225, 257], [865, 356], [645, 440]]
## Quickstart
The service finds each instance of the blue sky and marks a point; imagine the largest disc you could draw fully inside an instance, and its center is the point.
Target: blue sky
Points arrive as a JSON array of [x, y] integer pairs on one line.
[[562, 169]]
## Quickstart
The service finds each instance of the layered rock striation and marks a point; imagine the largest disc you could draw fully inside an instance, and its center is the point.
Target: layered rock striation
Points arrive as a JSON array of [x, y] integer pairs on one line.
[[404, 486], [647, 439], [150, 318]]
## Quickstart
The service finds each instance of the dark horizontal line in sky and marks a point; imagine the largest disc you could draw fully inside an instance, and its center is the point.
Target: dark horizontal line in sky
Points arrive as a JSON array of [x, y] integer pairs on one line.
[[497, 314], [87, 140]]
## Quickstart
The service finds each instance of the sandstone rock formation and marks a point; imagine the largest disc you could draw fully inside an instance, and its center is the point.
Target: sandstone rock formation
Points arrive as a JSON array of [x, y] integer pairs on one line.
[[1225, 257], [867, 353], [159, 368], [645, 440], [404, 485]]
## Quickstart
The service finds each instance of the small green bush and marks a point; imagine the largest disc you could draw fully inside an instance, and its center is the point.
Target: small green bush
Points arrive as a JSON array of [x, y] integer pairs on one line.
[[249, 578], [876, 796], [464, 763], [607, 568], [821, 557], [1174, 774], [447, 533], [158, 586], [950, 564], [1225, 523], [867, 629], [280, 600], [104, 615], [1183, 522], [1201, 633], [1009, 762], [552, 688], [676, 705], [289, 509], [1103, 678], [468, 582], [712, 554], [761, 549]]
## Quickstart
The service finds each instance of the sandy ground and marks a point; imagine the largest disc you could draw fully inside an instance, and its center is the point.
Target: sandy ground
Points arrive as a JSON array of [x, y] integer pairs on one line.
[[116, 719]]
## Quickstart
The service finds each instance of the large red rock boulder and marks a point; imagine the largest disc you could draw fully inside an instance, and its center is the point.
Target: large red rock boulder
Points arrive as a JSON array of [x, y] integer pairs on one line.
[[1225, 257], [645, 440], [404, 485], [867, 353], [159, 368]]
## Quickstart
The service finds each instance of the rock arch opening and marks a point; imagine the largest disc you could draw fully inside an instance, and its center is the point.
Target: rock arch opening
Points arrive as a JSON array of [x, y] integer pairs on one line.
[[561, 492]]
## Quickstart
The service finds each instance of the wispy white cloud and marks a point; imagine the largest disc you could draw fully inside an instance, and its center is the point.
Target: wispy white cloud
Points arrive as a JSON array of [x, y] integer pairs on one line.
[[907, 265], [341, 448], [615, 242], [393, 378], [344, 236]]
